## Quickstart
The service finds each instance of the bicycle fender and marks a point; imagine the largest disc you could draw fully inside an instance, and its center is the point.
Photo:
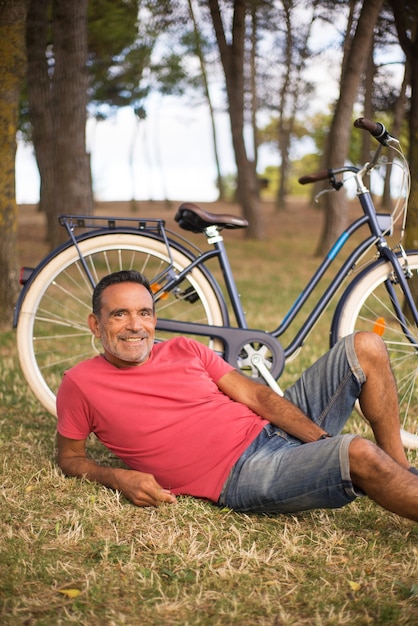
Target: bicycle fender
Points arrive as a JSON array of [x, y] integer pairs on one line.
[[346, 294]]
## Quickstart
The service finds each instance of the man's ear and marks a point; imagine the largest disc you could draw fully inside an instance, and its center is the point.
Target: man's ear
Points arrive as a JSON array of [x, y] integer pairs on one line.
[[93, 323]]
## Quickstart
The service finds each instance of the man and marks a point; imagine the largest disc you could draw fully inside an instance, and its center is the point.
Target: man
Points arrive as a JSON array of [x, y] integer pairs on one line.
[[185, 422]]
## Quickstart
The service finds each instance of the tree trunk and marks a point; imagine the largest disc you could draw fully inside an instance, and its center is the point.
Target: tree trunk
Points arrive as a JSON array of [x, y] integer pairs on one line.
[[335, 204], [200, 55], [412, 220], [283, 127], [369, 75], [406, 18], [398, 118], [57, 87], [232, 58], [12, 71]]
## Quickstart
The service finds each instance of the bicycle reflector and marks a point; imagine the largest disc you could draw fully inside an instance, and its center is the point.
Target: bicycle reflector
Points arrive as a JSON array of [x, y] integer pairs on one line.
[[155, 288], [25, 274], [379, 326]]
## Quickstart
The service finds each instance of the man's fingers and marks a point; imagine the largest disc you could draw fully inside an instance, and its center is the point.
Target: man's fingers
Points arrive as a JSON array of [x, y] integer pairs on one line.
[[155, 498], [166, 496]]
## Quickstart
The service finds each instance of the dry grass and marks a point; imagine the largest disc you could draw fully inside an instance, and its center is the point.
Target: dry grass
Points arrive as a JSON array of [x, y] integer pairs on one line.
[[73, 552]]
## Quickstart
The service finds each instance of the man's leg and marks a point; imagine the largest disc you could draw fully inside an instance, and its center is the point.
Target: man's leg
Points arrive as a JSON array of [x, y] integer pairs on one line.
[[383, 479], [378, 397], [381, 473], [357, 367], [279, 474], [328, 390]]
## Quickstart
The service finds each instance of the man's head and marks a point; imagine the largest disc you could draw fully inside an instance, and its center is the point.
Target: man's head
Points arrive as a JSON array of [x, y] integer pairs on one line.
[[124, 317], [124, 276]]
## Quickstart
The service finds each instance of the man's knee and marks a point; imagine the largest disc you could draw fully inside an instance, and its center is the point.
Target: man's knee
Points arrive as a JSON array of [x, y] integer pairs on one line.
[[366, 459], [370, 349]]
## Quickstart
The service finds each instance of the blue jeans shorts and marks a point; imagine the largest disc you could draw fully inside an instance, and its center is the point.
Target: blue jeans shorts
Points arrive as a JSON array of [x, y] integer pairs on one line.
[[277, 473]]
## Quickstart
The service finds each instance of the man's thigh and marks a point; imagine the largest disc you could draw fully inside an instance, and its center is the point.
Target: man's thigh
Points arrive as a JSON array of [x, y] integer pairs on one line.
[[284, 476], [327, 391]]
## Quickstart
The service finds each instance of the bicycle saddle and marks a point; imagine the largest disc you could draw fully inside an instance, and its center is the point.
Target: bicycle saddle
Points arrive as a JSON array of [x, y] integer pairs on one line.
[[191, 217]]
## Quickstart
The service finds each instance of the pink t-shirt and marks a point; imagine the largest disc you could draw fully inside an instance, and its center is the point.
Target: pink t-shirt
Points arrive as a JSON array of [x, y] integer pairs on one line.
[[166, 417]]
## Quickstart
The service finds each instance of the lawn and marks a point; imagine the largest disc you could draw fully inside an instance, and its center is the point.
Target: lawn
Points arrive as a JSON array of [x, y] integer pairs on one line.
[[74, 552]]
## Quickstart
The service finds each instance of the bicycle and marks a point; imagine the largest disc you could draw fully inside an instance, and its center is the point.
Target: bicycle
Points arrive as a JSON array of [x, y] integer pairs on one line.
[[51, 312]]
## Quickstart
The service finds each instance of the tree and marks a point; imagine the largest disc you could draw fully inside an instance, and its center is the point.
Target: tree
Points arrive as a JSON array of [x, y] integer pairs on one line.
[[12, 70], [232, 59], [293, 87], [381, 99], [198, 48], [57, 80], [339, 136], [406, 18]]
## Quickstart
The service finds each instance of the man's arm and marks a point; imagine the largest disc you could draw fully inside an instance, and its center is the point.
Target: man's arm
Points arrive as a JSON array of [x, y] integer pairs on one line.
[[142, 489], [269, 405]]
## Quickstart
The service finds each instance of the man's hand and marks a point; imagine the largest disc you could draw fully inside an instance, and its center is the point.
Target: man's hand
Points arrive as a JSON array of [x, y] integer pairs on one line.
[[142, 489]]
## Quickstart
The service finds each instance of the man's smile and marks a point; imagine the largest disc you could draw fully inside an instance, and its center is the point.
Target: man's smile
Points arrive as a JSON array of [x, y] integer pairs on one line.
[[132, 339]]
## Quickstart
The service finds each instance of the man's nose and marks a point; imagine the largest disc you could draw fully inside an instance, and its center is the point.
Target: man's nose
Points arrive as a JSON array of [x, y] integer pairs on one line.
[[135, 322]]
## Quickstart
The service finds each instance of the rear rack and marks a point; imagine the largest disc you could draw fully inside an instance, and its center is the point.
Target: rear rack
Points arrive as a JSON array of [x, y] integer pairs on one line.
[[102, 223], [156, 226], [72, 222]]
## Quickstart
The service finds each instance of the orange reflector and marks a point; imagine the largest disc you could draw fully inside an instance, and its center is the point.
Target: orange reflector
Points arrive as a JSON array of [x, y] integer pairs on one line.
[[379, 326], [156, 287]]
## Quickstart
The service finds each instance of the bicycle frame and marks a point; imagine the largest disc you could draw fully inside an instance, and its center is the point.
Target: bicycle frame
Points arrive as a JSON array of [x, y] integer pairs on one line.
[[318, 309]]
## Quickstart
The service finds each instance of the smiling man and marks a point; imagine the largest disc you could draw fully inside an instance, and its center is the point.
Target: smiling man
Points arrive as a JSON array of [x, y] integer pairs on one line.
[[186, 423], [124, 324]]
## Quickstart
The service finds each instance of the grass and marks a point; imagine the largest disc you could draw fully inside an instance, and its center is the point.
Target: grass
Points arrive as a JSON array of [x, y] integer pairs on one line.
[[74, 552]]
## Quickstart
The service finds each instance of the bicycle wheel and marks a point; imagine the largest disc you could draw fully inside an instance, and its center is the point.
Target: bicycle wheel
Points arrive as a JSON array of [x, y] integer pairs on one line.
[[366, 306], [52, 331]]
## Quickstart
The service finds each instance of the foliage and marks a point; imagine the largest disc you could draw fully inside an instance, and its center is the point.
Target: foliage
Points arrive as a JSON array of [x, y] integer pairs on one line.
[[116, 59]]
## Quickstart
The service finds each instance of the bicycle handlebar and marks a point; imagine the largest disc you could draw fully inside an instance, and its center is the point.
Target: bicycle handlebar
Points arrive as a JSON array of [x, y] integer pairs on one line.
[[313, 178], [376, 129]]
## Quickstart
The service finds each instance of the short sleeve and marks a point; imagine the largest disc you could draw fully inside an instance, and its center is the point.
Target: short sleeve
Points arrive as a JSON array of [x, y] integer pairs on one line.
[[73, 411], [215, 365]]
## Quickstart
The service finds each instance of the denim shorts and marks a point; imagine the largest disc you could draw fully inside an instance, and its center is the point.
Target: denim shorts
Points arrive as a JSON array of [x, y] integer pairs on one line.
[[278, 473]]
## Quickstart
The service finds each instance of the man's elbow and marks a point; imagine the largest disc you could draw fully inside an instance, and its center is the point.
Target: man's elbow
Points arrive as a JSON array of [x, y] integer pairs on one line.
[[64, 465], [70, 465]]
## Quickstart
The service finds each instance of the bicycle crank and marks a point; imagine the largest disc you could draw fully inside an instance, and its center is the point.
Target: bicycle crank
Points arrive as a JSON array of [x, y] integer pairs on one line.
[[258, 362]]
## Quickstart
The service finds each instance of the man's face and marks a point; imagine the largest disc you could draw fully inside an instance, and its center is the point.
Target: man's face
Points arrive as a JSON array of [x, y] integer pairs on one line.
[[126, 325]]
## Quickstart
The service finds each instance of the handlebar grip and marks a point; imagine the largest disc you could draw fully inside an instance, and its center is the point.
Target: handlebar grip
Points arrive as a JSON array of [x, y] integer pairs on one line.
[[376, 129], [313, 178]]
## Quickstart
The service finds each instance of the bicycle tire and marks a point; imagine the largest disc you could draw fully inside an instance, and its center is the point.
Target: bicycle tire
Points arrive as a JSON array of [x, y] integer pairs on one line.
[[365, 305], [52, 330]]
